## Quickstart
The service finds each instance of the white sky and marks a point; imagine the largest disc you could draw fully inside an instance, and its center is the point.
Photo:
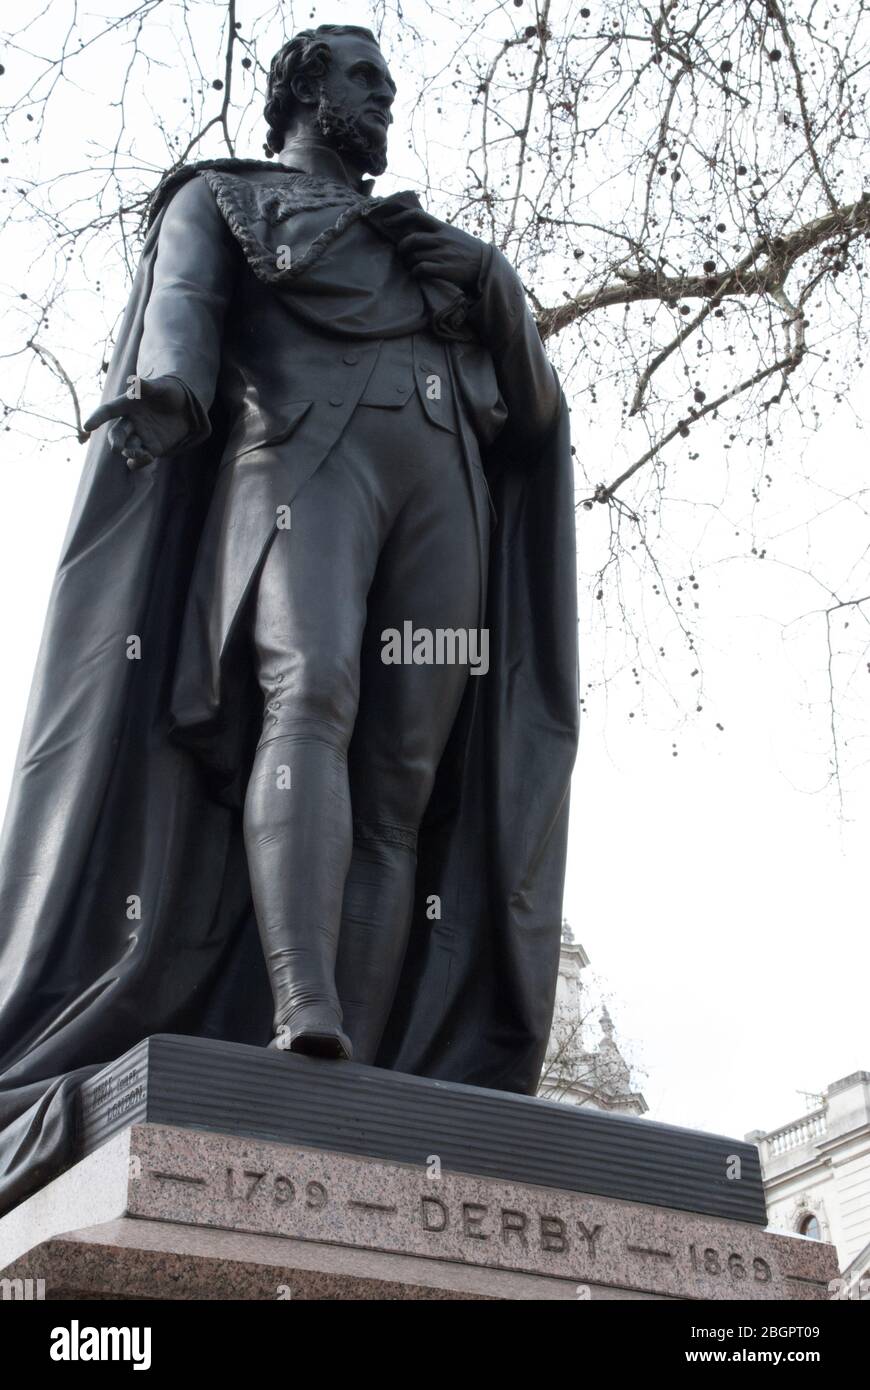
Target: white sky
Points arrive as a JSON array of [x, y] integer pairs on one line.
[[720, 895]]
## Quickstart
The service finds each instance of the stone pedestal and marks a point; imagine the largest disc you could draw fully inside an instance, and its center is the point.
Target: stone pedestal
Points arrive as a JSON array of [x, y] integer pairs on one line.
[[157, 1209]]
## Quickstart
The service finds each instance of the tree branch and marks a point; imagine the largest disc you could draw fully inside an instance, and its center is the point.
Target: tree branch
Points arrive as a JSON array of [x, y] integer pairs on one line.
[[604, 493], [741, 279], [49, 360]]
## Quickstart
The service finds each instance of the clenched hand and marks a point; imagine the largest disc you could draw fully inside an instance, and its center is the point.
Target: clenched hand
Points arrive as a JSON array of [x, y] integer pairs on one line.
[[434, 250]]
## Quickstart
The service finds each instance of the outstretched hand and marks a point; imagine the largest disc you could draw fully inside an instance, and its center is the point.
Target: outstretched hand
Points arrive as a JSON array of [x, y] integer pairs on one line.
[[151, 422], [435, 250]]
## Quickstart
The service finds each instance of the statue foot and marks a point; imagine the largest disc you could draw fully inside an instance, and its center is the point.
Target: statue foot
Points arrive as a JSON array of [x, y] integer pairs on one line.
[[315, 1032]]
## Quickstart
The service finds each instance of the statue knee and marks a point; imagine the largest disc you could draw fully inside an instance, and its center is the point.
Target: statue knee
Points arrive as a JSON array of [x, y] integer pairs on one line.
[[396, 797], [317, 696]]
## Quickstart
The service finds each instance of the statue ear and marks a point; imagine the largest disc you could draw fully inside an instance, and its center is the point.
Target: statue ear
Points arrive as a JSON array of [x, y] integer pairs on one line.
[[306, 90]]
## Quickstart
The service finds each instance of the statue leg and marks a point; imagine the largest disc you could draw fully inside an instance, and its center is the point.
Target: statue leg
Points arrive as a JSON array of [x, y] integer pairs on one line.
[[308, 623], [429, 573]]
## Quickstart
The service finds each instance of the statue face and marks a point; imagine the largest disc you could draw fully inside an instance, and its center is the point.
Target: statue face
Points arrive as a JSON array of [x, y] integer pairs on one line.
[[353, 112]]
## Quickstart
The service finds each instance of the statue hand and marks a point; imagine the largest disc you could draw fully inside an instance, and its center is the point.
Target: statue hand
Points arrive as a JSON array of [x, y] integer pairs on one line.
[[148, 424], [434, 250]]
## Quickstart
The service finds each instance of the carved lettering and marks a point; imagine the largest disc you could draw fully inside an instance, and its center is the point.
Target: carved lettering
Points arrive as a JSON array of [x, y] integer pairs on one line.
[[553, 1235], [514, 1223], [433, 1214], [590, 1237], [472, 1216]]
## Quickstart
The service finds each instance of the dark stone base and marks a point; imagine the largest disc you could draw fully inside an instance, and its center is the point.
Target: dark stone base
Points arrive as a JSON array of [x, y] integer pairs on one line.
[[230, 1089]]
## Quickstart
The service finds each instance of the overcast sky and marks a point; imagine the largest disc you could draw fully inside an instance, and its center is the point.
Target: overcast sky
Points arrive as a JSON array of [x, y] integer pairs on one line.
[[720, 894]]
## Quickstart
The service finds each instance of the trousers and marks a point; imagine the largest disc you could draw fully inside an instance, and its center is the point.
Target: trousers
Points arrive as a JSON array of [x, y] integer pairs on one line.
[[383, 533]]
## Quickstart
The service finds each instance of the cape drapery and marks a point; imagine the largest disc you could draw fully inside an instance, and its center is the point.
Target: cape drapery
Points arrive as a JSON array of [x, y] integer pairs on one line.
[[124, 900]]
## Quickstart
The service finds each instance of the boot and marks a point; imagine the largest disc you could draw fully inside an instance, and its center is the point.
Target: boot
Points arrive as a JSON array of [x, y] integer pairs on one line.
[[375, 922], [316, 1031], [298, 847]]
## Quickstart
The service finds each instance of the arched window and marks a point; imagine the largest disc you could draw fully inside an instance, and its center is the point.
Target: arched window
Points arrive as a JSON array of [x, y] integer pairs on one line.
[[810, 1227]]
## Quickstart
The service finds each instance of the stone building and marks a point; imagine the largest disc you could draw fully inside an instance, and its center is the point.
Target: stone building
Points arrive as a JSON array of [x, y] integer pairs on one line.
[[584, 1065], [816, 1173]]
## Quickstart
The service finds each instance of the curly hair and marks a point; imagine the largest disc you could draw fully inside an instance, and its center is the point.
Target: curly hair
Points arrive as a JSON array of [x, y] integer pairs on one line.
[[307, 54]]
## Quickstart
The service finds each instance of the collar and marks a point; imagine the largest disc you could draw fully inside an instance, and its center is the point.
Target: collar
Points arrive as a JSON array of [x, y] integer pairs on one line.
[[312, 156]]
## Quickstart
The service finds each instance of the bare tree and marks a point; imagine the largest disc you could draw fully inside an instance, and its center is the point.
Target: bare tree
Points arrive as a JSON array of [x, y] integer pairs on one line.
[[573, 1073], [680, 186]]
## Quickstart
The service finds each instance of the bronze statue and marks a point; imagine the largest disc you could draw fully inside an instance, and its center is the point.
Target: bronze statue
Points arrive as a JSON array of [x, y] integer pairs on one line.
[[307, 692]]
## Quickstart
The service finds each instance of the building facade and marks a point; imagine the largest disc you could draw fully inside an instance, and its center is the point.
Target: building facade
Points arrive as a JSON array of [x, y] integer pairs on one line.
[[816, 1173]]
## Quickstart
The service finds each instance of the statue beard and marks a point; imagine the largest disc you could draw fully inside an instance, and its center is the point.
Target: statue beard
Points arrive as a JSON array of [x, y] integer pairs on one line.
[[343, 131]]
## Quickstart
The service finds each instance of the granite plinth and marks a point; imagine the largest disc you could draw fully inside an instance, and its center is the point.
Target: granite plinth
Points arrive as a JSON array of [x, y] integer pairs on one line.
[[163, 1212]]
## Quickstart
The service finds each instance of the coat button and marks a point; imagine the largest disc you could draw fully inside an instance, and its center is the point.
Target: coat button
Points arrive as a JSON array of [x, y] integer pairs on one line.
[[336, 400], [402, 389], [351, 358]]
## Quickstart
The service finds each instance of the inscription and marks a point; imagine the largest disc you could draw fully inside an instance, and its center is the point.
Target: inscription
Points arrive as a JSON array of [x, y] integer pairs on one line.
[[480, 1221], [113, 1089], [299, 1196], [245, 1184], [712, 1261], [125, 1103]]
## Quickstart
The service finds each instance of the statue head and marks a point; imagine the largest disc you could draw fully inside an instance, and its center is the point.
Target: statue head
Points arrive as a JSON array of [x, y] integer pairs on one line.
[[332, 83]]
